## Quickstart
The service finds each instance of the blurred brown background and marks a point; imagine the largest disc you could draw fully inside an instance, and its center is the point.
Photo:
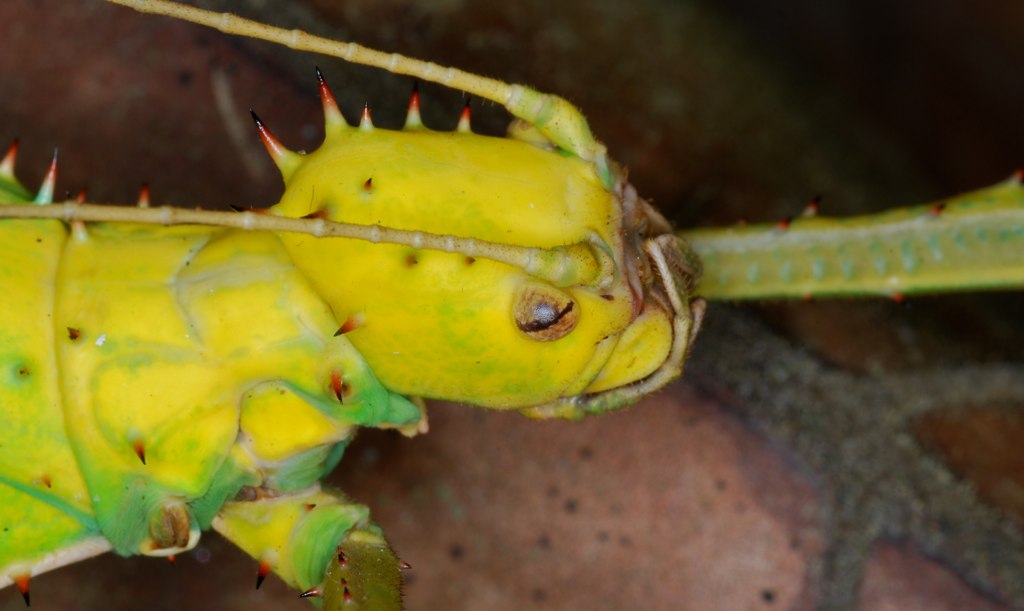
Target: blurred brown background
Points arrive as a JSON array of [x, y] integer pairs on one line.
[[721, 492]]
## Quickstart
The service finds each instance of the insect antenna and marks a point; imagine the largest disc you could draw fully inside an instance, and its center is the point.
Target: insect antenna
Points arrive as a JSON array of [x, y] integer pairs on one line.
[[553, 116], [584, 263]]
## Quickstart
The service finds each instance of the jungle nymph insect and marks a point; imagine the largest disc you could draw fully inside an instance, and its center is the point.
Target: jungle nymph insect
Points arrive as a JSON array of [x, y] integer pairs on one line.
[[148, 404]]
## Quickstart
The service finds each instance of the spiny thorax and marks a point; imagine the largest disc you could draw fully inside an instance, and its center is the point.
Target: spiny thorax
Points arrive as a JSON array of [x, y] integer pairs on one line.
[[419, 305]]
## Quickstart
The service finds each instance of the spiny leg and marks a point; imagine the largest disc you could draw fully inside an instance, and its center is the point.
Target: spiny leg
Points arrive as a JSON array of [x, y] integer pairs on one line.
[[319, 542]]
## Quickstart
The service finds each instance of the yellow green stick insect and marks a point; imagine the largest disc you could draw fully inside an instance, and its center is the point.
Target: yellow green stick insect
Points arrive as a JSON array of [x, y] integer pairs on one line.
[[236, 363], [399, 375]]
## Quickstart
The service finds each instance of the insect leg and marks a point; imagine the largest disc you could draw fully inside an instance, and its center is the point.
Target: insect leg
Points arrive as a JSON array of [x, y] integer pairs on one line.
[[318, 542]]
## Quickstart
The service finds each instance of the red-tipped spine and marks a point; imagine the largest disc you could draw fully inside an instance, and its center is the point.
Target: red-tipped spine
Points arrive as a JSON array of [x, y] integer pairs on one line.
[[413, 119], [463, 125], [332, 114], [22, 582], [140, 450], [45, 195], [365, 121], [339, 386], [277, 151], [7, 165], [812, 207], [143, 201], [351, 324], [261, 573]]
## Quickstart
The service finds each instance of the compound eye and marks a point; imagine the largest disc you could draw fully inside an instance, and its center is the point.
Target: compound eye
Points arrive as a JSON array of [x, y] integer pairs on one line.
[[544, 313]]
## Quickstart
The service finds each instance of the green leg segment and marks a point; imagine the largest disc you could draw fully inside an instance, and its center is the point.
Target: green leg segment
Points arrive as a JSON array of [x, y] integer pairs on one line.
[[319, 542]]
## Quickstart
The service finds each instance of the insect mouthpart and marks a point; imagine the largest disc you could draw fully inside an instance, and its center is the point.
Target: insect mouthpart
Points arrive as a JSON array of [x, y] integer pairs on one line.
[[662, 272]]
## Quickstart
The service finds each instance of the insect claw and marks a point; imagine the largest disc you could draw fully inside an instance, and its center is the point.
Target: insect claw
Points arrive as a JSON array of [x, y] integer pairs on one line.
[[333, 119], [285, 160], [22, 582], [313, 592], [365, 122], [404, 566], [7, 164], [45, 195], [413, 119], [261, 574], [83, 195], [463, 125]]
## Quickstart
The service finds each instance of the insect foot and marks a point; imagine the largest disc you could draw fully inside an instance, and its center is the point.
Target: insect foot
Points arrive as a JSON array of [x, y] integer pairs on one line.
[[170, 531], [320, 543], [363, 574]]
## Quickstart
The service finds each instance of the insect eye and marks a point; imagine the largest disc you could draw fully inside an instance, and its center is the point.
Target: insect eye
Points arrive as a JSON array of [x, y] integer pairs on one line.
[[544, 313]]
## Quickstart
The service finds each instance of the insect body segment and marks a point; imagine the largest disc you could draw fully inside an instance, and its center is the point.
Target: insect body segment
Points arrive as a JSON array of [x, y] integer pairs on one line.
[[155, 372], [508, 339], [48, 519]]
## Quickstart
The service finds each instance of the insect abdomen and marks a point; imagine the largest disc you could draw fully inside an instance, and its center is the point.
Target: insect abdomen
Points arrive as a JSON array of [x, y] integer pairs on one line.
[[46, 503]]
